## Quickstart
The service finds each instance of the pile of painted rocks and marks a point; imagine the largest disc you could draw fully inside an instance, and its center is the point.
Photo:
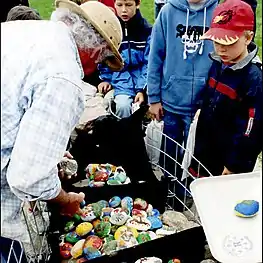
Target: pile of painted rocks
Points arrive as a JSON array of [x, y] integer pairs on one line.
[[108, 226], [101, 174]]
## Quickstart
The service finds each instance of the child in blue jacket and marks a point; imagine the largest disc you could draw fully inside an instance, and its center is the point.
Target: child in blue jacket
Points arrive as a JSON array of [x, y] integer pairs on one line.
[[178, 68], [229, 130], [130, 82]]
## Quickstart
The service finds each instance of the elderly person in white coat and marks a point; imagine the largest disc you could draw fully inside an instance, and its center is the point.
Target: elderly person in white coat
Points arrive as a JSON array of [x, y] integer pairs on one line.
[[42, 64]]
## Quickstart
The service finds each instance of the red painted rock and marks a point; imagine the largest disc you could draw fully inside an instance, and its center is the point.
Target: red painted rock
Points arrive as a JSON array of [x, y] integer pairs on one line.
[[140, 204], [101, 176], [65, 249]]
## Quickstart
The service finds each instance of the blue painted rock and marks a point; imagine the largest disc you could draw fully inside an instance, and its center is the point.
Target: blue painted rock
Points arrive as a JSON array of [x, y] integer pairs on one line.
[[155, 222], [103, 203], [114, 201], [247, 208], [91, 253]]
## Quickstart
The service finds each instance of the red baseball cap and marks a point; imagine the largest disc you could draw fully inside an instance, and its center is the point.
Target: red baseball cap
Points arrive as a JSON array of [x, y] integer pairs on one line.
[[230, 20]]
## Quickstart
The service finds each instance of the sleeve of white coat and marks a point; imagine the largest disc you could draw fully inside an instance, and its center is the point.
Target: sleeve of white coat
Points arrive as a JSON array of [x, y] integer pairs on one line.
[[52, 110]]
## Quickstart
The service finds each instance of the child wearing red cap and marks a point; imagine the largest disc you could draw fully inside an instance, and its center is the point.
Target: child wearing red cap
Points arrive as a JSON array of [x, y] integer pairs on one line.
[[229, 131]]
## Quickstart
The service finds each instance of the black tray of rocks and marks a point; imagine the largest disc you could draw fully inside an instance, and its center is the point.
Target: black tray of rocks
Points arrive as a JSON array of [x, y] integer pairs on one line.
[[187, 245]]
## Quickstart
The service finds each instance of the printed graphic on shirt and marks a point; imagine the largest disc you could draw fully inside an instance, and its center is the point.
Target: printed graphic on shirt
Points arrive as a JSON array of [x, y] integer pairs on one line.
[[190, 39]]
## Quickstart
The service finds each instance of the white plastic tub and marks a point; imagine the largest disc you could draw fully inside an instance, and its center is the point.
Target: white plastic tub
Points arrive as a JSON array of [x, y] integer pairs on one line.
[[231, 239]]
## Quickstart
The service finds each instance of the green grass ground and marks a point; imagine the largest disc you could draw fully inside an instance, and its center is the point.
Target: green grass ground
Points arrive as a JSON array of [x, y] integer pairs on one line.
[[45, 8]]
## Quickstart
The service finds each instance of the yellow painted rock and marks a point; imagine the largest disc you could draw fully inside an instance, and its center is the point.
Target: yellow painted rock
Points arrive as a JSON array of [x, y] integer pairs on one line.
[[122, 231], [84, 228], [77, 249]]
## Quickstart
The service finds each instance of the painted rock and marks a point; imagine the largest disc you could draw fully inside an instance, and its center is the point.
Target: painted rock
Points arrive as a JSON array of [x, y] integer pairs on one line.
[[113, 182], [127, 242], [118, 217], [88, 214], [103, 229], [143, 237], [125, 231], [69, 166], [108, 238], [69, 226], [105, 168], [93, 241], [101, 176], [140, 213], [152, 235], [247, 208], [91, 252], [155, 222], [72, 237], [106, 219], [140, 204], [175, 219], [165, 231], [82, 204], [97, 208], [155, 212], [109, 247], [90, 170], [77, 218], [103, 203], [175, 260], [139, 223], [149, 260], [106, 211], [77, 249], [64, 250], [120, 174], [127, 203], [84, 228], [95, 222], [114, 201]]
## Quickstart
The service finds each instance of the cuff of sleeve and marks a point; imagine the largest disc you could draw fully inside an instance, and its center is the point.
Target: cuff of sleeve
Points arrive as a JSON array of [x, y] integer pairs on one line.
[[50, 192], [154, 99]]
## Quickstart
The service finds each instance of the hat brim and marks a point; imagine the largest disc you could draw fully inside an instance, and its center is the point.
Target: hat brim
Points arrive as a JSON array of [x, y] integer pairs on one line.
[[222, 36], [114, 62]]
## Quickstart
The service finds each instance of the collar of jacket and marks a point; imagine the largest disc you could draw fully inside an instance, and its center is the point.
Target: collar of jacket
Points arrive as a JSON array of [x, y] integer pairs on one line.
[[251, 57], [134, 23]]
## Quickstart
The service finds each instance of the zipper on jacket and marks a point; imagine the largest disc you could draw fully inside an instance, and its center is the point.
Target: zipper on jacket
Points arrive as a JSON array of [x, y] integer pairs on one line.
[[129, 50]]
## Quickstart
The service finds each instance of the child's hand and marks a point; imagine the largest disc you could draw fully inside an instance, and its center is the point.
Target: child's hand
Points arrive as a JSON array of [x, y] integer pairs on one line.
[[226, 171], [139, 98], [157, 110], [104, 87]]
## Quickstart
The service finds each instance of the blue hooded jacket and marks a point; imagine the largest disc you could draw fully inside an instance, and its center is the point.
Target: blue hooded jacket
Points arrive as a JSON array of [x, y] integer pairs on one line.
[[134, 50], [178, 61]]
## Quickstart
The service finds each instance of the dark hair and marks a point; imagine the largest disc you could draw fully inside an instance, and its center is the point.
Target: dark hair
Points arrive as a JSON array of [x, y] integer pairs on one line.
[[22, 12]]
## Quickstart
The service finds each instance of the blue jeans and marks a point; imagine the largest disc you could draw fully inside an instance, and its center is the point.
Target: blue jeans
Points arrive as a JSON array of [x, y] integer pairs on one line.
[[157, 9], [123, 105], [176, 127]]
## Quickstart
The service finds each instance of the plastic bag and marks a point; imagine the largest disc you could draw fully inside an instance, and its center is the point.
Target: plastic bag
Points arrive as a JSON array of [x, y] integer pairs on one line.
[[153, 140], [190, 145]]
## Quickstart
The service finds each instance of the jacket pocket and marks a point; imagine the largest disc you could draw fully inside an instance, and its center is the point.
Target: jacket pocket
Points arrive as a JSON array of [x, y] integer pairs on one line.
[[183, 91]]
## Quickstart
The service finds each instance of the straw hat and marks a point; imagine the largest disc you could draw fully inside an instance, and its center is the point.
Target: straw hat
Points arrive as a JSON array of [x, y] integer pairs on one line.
[[104, 21]]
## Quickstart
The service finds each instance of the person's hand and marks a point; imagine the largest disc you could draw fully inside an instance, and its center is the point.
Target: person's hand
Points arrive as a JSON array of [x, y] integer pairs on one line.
[[61, 173], [197, 114], [104, 87], [139, 98], [226, 171], [69, 203], [157, 110]]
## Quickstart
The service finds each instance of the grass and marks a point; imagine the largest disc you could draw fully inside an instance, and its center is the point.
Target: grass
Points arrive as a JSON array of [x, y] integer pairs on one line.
[[45, 8]]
